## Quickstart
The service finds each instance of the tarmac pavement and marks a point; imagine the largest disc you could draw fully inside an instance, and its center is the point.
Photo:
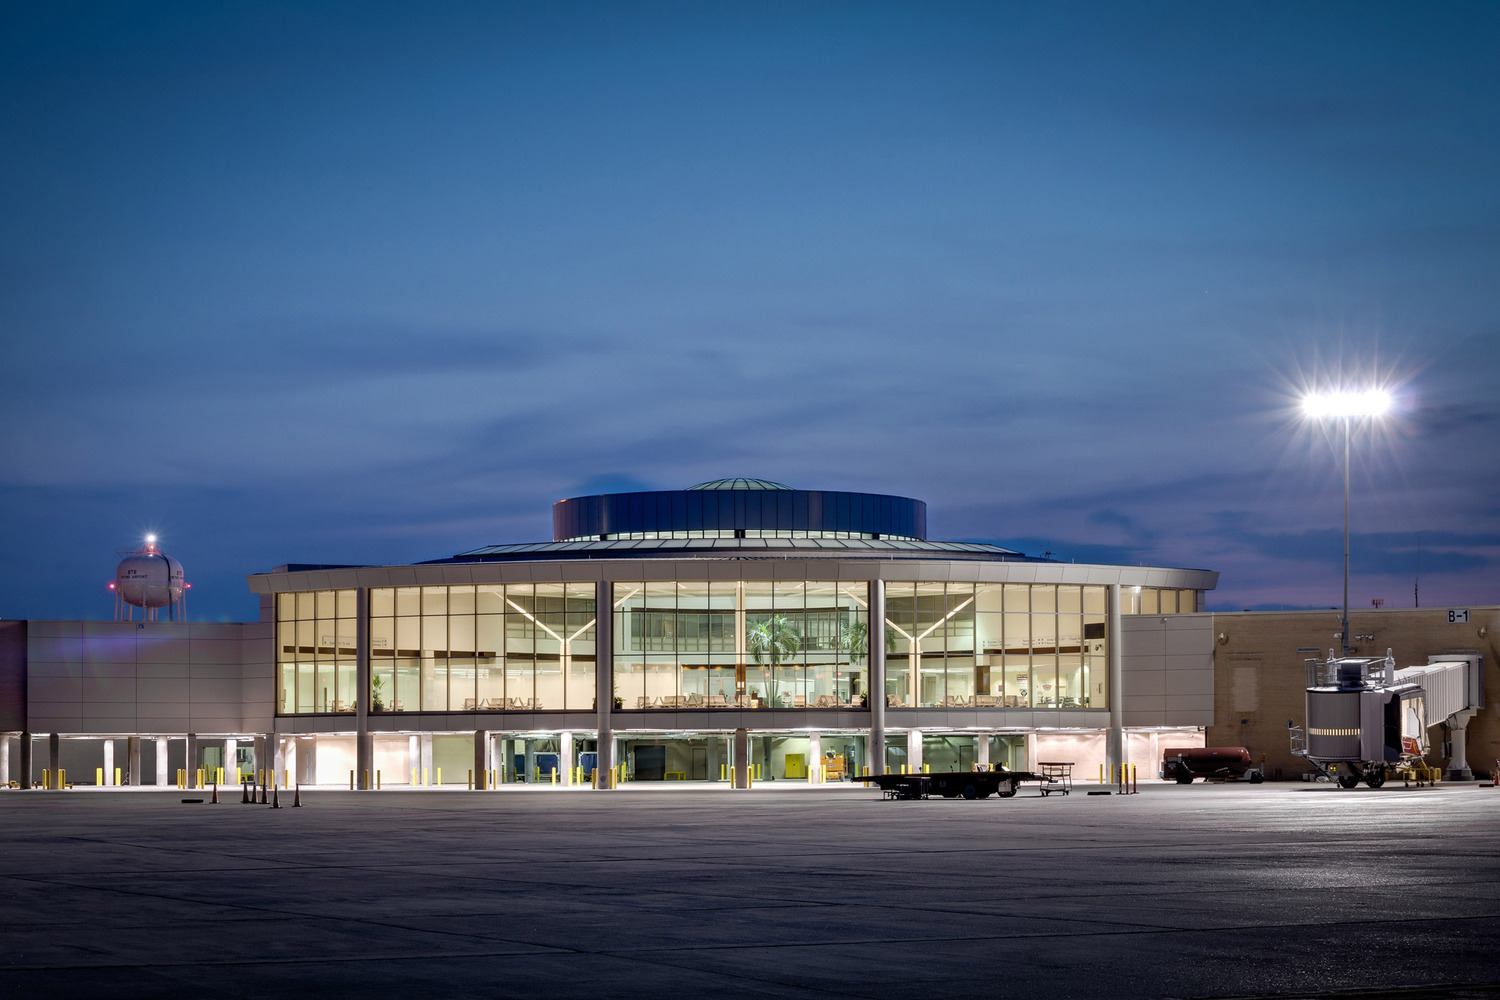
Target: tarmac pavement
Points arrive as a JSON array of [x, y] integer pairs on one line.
[[1289, 890]]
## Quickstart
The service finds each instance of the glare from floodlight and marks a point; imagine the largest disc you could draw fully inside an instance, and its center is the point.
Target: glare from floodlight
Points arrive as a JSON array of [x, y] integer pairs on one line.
[[150, 539], [1346, 405]]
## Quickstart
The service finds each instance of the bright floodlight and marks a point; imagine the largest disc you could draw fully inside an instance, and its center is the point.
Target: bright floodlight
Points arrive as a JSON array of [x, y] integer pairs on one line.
[[150, 539], [1342, 403]]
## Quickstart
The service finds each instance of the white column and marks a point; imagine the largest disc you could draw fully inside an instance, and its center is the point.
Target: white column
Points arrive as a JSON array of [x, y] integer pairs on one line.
[[427, 772], [914, 750], [109, 762], [414, 760], [289, 761], [231, 769], [566, 761], [161, 761], [982, 748], [875, 643], [815, 757], [310, 766], [4, 758], [604, 678], [1114, 747], [1030, 764], [1458, 746]]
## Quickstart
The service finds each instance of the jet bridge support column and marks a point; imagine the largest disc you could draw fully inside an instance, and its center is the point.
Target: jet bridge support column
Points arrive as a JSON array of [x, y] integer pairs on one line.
[[1458, 760]]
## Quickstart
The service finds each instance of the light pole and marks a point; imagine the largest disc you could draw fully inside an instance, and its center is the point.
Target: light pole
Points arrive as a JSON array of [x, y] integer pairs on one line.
[[1346, 406]]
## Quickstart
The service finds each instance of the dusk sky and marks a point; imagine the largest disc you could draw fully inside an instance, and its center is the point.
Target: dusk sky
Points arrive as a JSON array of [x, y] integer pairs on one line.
[[377, 283]]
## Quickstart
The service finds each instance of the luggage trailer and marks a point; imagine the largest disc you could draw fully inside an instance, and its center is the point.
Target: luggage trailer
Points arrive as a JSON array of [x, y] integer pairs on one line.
[[954, 784], [1367, 720]]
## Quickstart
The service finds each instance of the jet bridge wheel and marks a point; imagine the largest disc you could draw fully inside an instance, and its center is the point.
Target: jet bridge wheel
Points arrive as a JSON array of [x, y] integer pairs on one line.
[[1349, 780], [970, 792], [1375, 779], [1184, 776], [1006, 789]]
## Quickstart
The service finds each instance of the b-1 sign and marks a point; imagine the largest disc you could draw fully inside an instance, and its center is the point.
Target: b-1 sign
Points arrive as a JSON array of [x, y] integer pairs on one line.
[[1458, 616]]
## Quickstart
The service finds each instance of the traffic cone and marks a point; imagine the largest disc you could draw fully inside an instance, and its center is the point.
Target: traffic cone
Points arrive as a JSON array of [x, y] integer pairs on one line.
[[276, 798], [262, 793], [215, 799], [245, 793], [297, 798]]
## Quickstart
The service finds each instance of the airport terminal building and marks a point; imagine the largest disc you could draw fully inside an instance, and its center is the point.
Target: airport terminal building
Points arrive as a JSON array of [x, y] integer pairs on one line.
[[718, 633]]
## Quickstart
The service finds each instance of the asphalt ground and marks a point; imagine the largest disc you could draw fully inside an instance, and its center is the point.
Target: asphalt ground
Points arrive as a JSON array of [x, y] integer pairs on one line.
[[1288, 890]]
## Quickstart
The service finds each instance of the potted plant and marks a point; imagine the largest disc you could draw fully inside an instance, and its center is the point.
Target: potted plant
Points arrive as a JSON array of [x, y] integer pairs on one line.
[[775, 639], [377, 693]]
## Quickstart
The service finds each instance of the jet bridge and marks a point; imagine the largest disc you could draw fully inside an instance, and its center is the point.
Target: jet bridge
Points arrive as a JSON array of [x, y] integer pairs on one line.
[[1364, 716]]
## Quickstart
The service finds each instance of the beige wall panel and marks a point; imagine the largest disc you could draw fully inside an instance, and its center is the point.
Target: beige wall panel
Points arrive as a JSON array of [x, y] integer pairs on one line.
[[43, 690], [53, 649]]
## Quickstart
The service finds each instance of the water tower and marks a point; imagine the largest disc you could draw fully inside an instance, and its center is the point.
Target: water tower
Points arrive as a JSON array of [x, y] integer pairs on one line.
[[150, 580]]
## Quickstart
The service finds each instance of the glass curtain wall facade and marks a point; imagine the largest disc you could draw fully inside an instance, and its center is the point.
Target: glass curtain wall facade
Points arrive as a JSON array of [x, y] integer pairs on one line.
[[522, 647], [315, 652], [1010, 645], [744, 644]]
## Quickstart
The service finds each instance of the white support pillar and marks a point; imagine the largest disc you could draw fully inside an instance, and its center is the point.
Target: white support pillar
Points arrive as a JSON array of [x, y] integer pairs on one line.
[[109, 762], [190, 759], [427, 775], [914, 750], [1030, 762], [161, 761], [1458, 742], [231, 766], [604, 681], [288, 775], [4, 758], [414, 760], [815, 757], [875, 649], [565, 759], [982, 748], [1114, 746]]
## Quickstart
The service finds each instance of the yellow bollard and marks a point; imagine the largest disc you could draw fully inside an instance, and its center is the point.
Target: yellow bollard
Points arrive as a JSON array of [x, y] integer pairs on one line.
[[46, 778], [926, 768], [99, 776], [351, 780], [286, 778], [437, 778], [414, 776], [62, 778], [471, 779], [424, 777], [866, 771], [554, 775], [118, 782], [377, 781], [367, 779]]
